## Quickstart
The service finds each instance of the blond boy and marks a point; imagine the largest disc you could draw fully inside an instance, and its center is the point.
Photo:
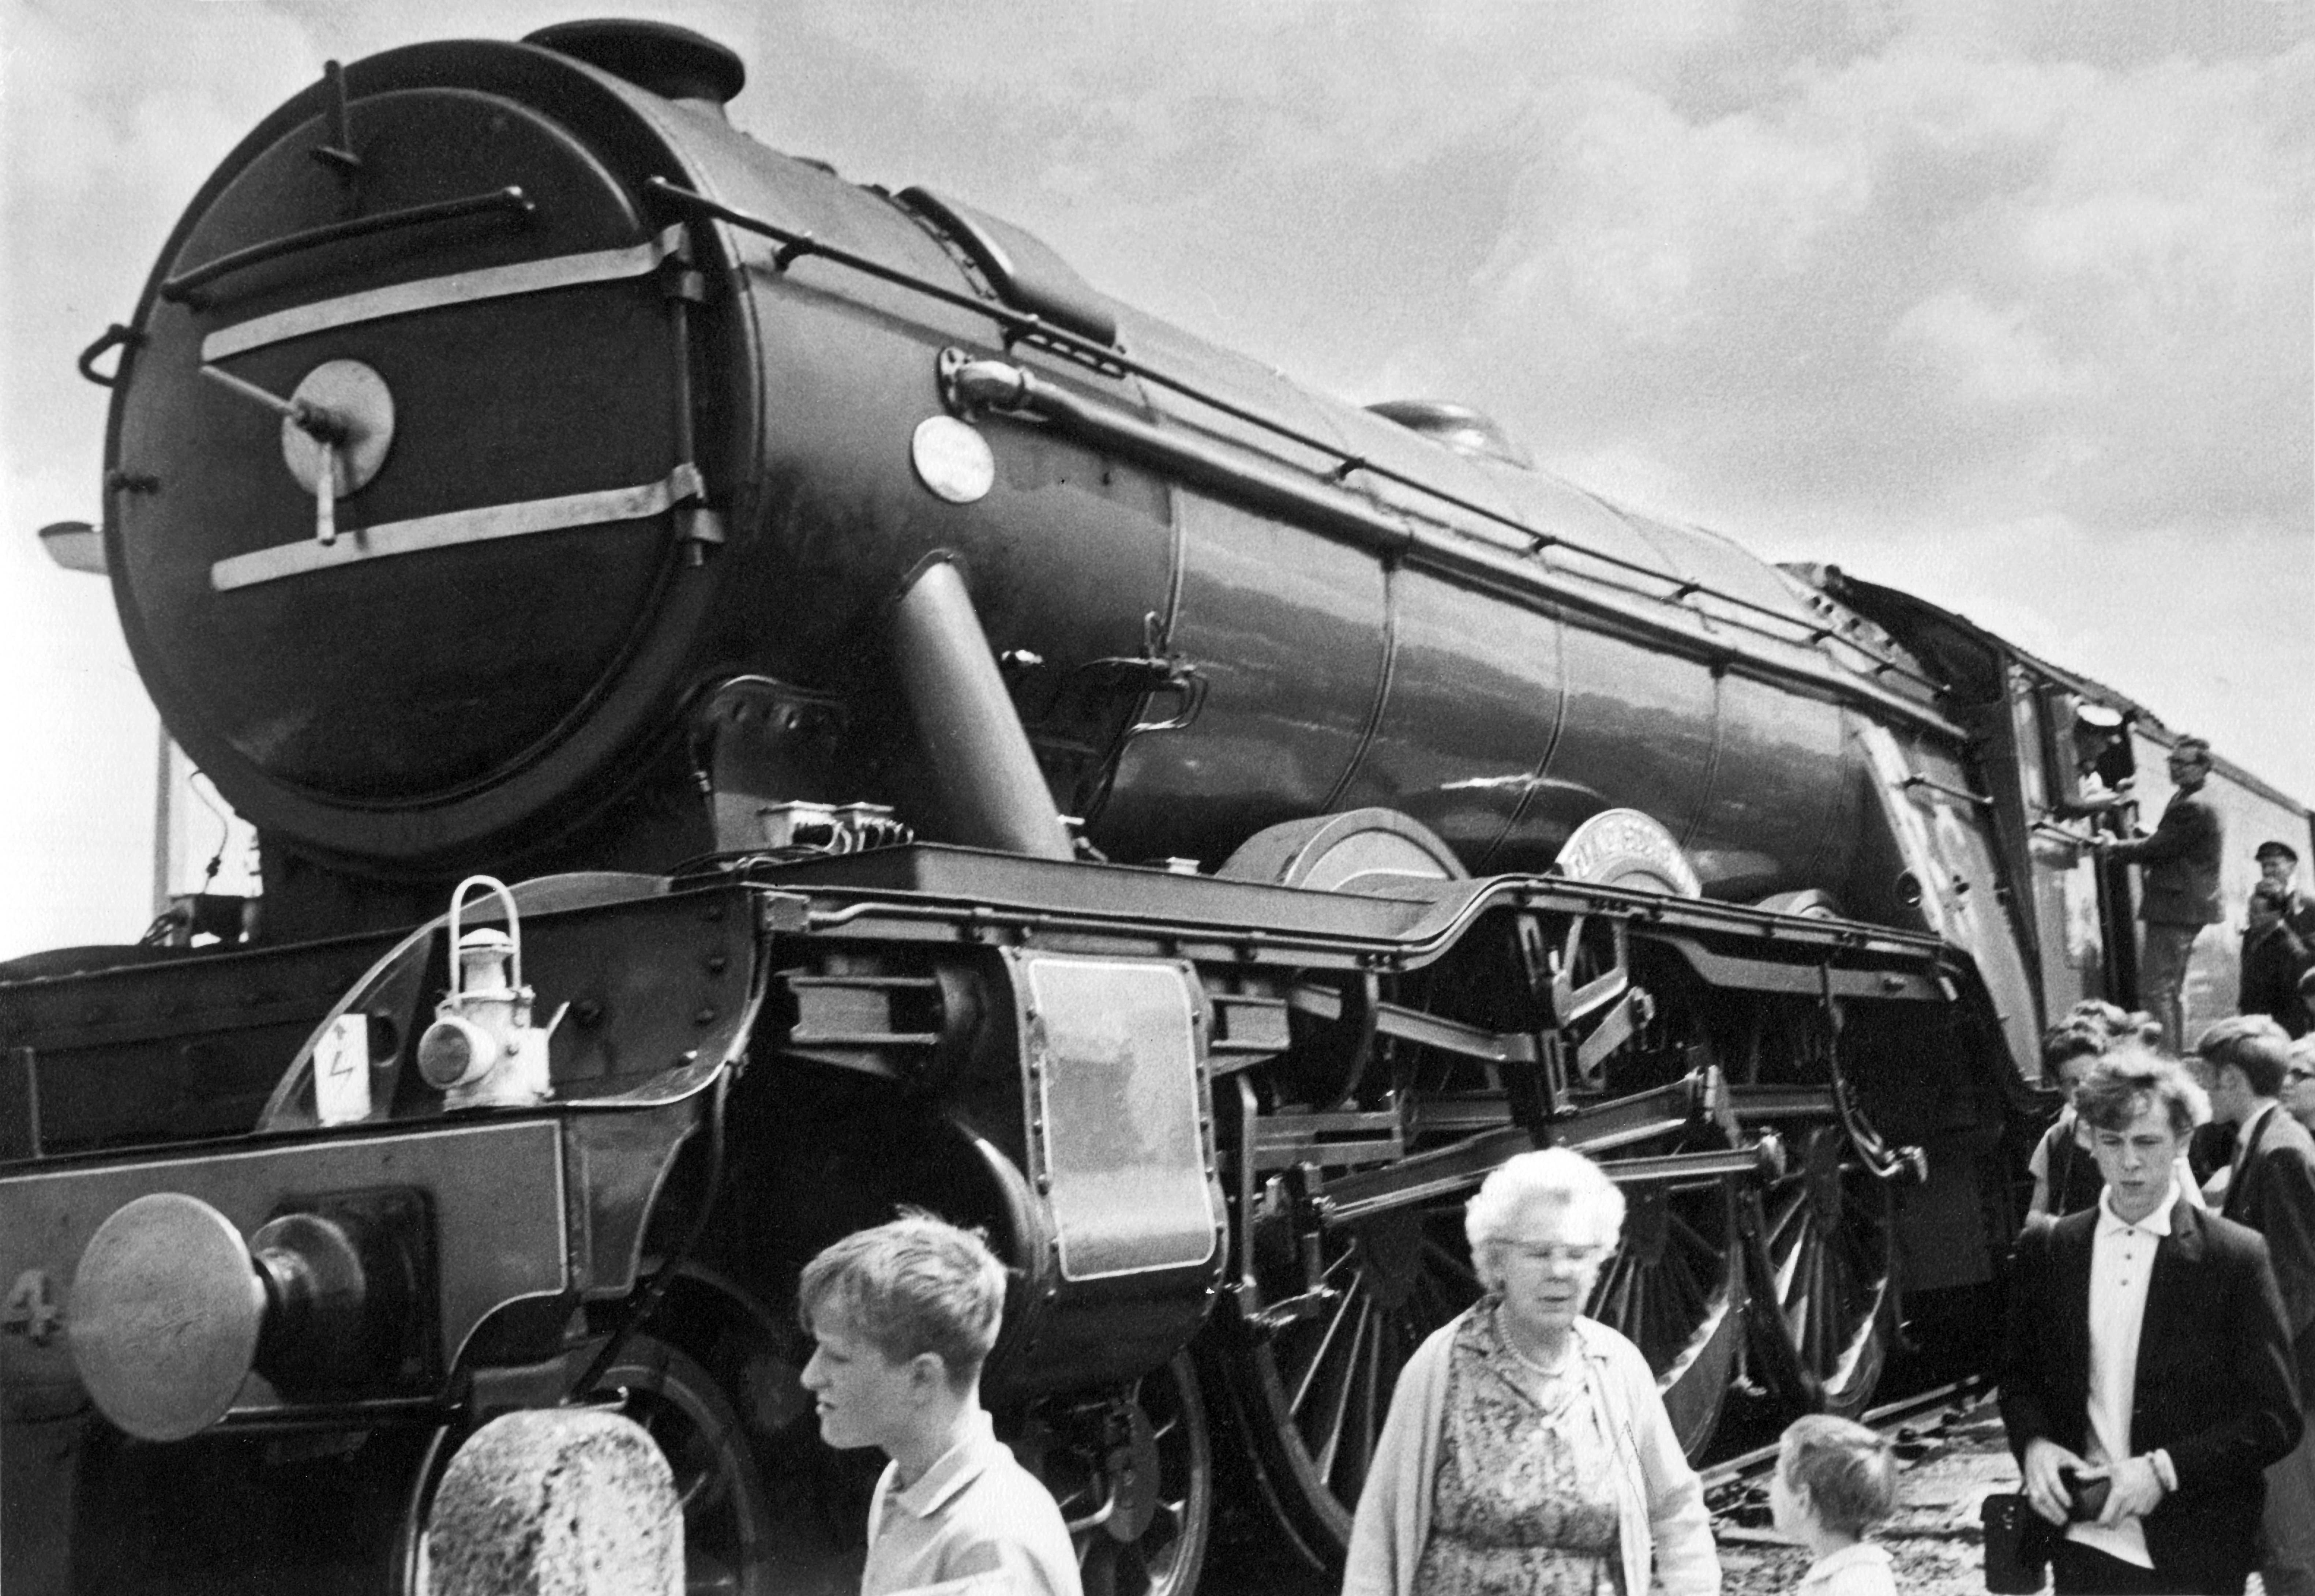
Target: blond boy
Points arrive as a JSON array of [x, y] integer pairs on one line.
[[1834, 1481], [905, 1314]]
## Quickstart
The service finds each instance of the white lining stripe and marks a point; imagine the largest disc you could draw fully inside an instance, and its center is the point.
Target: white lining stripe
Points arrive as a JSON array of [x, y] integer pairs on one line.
[[460, 288], [457, 527]]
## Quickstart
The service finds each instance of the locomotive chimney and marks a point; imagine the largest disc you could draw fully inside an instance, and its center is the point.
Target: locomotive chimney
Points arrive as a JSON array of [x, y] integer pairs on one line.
[[671, 62]]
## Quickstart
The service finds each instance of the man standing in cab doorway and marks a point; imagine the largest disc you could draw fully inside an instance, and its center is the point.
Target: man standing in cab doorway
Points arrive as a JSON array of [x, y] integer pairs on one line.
[[2178, 891]]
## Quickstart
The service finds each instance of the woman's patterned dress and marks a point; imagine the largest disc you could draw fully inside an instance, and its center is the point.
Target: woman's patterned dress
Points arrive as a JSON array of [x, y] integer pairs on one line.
[[1521, 1503]]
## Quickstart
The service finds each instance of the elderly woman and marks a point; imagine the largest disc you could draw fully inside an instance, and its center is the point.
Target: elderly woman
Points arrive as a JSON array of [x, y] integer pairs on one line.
[[1527, 1452]]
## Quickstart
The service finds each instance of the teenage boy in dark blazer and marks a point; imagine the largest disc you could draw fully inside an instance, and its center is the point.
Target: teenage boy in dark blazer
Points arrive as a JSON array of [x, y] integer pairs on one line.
[[2146, 1348], [2241, 1063]]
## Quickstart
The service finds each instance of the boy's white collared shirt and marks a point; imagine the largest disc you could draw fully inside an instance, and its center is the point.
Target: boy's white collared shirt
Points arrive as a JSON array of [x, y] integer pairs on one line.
[[976, 1523], [1859, 1570], [2122, 1266]]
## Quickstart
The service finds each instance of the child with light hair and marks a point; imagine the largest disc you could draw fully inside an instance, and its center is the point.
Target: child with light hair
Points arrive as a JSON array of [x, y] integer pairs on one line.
[[905, 1314], [1835, 1480]]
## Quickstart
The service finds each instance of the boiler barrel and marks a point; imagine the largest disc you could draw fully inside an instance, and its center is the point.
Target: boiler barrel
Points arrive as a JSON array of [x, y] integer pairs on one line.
[[637, 452]]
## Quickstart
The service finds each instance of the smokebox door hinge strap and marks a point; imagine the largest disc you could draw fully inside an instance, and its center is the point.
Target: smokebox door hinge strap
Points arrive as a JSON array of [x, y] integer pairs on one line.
[[458, 527], [458, 288]]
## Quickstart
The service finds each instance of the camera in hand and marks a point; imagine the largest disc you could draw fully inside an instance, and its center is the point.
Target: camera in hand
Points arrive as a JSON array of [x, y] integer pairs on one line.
[[2016, 1546], [2085, 1498]]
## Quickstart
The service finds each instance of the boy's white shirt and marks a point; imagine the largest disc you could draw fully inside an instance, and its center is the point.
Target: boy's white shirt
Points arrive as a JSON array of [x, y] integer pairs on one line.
[[1861, 1566]]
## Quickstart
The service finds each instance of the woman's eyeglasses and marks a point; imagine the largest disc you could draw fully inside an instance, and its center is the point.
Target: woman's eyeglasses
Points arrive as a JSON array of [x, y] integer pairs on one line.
[[1556, 1253]]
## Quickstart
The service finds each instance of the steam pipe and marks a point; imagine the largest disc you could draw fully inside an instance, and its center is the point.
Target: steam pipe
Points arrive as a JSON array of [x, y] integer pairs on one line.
[[983, 770]]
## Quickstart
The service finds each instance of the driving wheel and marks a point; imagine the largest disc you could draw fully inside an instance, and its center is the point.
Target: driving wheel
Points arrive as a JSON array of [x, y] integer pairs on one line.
[[1137, 1486], [1675, 1290], [728, 1533], [1819, 1239]]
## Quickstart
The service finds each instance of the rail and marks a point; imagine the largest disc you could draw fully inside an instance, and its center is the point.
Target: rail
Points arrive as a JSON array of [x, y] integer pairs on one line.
[[1889, 1416], [1016, 391], [186, 284], [2065, 834], [1920, 783]]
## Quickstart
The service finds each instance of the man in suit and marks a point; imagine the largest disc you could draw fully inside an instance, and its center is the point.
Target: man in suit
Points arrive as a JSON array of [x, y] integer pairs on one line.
[[2274, 957], [2242, 1063], [2178, 893], [2278, 866], [2146, 1348]]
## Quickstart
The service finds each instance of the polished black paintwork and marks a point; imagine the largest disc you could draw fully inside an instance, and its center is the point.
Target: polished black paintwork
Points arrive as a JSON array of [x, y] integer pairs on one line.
[[413, 712]]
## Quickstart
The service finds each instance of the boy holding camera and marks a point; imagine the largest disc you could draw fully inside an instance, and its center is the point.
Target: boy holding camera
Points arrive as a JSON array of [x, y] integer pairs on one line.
[[2146, 1357]]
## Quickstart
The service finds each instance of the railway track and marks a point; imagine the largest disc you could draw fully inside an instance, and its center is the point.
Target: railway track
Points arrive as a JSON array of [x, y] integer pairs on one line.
[[1900, 1421], [1951, 1451]]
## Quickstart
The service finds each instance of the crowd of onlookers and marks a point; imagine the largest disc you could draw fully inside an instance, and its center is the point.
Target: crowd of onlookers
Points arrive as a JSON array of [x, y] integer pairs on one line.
[[2162, 1322], [1527, 1451], [2161, 1336]]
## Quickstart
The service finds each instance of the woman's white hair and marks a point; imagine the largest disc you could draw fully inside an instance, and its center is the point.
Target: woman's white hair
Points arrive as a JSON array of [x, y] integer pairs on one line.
[[1554, 1175]]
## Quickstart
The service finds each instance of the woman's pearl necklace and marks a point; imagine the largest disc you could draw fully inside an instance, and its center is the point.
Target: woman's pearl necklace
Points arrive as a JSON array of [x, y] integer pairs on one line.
[[1548, 1371]]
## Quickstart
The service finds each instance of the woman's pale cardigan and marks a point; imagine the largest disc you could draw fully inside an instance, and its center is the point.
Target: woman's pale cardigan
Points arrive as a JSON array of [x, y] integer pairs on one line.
[[1660, 1500]]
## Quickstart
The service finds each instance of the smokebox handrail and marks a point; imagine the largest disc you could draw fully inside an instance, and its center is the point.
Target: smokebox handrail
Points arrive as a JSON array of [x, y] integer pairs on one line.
[[182, 287]]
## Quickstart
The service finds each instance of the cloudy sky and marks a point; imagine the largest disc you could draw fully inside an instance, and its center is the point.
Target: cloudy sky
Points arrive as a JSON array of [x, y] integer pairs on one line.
[[2005, 301]]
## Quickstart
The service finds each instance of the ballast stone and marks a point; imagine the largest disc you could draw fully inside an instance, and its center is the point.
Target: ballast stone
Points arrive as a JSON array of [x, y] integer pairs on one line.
[[556, 1504]]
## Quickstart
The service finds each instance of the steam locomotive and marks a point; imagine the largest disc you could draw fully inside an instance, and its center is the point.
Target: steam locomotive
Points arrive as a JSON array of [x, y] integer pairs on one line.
[[955, 741]]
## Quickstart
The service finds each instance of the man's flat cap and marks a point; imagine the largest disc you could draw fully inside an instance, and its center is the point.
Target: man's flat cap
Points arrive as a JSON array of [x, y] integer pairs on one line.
[[2278, 850]]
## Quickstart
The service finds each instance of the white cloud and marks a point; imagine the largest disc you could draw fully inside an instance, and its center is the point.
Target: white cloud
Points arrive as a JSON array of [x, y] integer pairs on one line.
[[2088, 288], [1989, 359]]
